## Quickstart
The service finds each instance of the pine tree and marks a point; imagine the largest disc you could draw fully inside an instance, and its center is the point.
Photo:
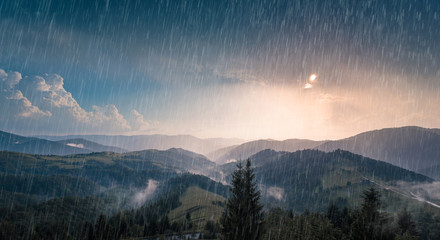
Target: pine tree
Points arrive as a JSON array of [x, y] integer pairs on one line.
[[87, 232], [369, 222], [406, 223], [243, 217], [254, 210], [334, 215], [152, 226], [101, 227], [231, 218]]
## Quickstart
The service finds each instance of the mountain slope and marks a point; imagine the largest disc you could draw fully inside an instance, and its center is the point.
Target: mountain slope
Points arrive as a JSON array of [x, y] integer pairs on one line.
[[310, 179], [412, 148], [70, 213], [248, 149], [179, 159], [105, 181], [108, 168], [201, 205]]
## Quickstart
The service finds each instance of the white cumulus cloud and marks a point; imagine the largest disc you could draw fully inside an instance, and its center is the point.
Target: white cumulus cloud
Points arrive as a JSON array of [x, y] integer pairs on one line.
[[25, 106], [10, 79], [108, 113], [45, 96], [139, 123], [18, 104]]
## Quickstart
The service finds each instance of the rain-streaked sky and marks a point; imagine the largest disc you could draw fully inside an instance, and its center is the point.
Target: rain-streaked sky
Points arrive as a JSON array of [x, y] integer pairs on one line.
[[219, 68]]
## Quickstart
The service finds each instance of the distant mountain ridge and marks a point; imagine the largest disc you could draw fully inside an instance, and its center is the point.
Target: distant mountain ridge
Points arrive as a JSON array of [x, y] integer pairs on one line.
[[32, 145], [159, 142], [413, 148], [245, 150], [92, 146], [16, 143]]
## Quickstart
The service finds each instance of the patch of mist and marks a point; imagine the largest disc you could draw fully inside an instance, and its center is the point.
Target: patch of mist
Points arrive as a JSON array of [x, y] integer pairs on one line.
[[196, 172], [231, 160], [272, 192], [423, 190], [221, 178], [275, 192], [75, 145], [142, 196], [420, 199]]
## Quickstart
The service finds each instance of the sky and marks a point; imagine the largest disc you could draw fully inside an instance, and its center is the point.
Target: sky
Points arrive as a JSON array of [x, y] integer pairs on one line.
[[310, 69]]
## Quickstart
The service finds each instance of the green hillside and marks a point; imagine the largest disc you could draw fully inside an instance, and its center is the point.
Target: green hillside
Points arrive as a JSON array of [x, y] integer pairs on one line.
[[47, 194], [106, 168], [310, 179], [200, 205]]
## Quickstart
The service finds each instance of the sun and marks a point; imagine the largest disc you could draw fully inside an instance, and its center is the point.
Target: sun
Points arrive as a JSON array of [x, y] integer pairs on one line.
[[313, 77]]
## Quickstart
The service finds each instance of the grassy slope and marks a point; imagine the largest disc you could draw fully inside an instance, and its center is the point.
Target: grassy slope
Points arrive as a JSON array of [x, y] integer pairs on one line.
[[201, 205]]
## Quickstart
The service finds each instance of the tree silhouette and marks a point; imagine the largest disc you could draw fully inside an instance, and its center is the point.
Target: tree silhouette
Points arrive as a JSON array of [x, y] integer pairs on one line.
[[406, 223], [369, 222], [243, 217]]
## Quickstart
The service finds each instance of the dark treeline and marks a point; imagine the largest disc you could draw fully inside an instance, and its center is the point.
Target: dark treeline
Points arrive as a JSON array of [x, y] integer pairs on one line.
[[80, 218], [365, 222], [243, 218], [41, 223], [152, 219], [83, 218]]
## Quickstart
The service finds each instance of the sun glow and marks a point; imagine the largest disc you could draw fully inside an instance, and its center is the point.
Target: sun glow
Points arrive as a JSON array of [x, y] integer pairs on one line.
[[312, 77]]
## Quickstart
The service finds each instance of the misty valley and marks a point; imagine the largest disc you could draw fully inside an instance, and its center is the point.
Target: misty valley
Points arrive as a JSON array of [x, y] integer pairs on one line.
[[75, 188]]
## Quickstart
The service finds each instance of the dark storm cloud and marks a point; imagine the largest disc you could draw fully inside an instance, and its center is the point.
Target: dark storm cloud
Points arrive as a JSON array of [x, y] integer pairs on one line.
[[400, 34]]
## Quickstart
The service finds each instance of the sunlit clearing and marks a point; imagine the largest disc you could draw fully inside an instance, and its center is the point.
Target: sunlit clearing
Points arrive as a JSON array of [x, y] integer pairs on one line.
[[308, 86]]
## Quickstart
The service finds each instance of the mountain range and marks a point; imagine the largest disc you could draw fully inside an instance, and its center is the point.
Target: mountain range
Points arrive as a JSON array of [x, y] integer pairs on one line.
[[306, 179], [159, 142], [245, 150], [16, 143], [48, 190], [91, 146], [310, 179], [412, 148]]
